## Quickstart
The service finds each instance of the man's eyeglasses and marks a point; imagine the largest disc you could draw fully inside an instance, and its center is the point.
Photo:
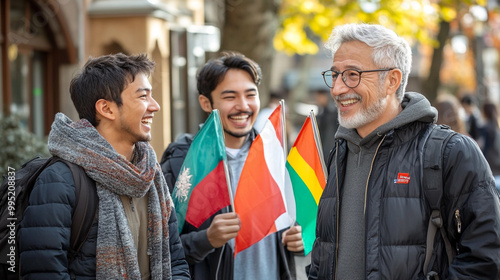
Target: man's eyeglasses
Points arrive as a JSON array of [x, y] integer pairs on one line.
[[350, 77]]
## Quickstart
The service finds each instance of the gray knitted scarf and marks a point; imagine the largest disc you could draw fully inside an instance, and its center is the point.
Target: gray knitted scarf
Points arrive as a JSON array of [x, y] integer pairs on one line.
[[80, 143]]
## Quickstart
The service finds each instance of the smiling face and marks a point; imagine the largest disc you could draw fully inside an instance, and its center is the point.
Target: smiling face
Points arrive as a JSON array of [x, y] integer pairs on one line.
[[237, 99], [365, 106], [136, 113]]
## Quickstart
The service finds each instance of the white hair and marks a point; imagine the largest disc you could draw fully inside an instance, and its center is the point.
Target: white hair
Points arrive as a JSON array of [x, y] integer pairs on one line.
[[389, 49]]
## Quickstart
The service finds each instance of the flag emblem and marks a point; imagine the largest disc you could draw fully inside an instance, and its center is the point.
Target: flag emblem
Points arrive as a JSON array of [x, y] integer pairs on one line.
[[403, 178], [183, 185]]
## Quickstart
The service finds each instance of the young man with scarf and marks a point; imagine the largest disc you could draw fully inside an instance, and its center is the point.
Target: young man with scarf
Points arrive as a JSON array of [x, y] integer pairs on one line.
[[134, 234], [229, 83]]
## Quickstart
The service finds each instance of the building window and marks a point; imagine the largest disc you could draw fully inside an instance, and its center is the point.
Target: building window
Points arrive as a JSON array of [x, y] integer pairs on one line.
[[29, 62]]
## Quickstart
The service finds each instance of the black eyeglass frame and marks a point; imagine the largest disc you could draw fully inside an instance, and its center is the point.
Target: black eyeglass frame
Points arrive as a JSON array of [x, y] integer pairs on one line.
[[343, 79]]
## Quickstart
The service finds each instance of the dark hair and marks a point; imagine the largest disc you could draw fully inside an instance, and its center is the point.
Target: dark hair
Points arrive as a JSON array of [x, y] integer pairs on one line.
[[467, 99], [105, 77], [214, 71]]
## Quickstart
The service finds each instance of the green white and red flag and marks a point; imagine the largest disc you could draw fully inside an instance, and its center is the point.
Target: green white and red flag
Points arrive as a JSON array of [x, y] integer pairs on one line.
[[202, 187]]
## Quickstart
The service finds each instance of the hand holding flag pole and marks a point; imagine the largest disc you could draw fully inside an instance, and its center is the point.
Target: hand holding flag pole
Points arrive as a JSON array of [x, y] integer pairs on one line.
[[229, 189]]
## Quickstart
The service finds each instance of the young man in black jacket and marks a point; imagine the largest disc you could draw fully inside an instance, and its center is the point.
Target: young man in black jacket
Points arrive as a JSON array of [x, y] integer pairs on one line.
[[134, 234], [373, 215], [229, 83]]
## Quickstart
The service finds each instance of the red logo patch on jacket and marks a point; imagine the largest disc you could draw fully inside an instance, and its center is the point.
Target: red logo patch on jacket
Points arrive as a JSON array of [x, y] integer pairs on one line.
[[403, 178]]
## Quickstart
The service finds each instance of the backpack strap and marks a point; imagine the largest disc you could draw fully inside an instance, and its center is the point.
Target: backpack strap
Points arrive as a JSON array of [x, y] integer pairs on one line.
[[433, 190], [85, 208], [173, 158]]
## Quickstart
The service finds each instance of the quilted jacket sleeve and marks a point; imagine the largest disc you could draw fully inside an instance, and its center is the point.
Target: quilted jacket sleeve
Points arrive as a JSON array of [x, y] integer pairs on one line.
[[196, 246], [44, 235], [180, 268], [473, 212]]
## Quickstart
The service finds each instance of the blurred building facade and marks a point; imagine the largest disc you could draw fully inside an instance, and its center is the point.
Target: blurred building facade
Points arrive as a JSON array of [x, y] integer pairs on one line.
[[43, 43]]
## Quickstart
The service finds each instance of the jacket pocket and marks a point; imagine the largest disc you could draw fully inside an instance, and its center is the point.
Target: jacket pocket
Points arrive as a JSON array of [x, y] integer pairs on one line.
[[324, 260]]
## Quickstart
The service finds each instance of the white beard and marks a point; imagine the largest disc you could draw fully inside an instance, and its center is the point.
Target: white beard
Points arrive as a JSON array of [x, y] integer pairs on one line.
[[365, 115]]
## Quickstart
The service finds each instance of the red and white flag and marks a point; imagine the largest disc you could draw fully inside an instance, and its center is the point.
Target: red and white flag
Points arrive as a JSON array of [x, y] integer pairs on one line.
[[260, 195]]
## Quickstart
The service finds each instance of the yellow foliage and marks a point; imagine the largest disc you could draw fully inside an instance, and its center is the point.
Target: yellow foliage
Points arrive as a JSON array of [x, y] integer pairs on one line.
[[311, 6], [292, 36], [448, 13], [304, 20]]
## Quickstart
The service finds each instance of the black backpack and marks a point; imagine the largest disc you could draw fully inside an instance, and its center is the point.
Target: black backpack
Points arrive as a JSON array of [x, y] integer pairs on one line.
[[433, 189], [173, 158], [15, 191]]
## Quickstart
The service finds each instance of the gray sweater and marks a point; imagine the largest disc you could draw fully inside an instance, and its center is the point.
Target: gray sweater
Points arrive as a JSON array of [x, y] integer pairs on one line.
[[361, 153]]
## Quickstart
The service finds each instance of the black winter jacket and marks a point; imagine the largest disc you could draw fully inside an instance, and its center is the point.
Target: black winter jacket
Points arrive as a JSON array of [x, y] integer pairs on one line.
[[46, 228], [205, 261], [397, 215]]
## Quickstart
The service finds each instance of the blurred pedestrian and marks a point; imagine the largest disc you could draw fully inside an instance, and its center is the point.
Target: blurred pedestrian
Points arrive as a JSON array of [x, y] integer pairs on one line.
[[490, 133], [449, 113], [473, 116]]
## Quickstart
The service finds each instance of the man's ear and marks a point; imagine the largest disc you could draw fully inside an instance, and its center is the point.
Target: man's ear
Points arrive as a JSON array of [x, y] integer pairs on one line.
[[105, 109], [394, 79], [205, 103]]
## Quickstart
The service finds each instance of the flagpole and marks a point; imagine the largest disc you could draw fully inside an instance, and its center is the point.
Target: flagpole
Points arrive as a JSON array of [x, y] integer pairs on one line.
[[283, 119], [285, 148], [317, 140], [228, 180], [224, 163]]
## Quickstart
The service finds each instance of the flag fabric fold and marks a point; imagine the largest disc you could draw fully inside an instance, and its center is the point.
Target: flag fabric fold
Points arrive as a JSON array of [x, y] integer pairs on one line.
[[260, 197], [307, 174], [201, 188]]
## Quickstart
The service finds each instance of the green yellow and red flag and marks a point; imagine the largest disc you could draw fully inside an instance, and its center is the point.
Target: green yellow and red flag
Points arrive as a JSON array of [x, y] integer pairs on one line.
[[307, 174]]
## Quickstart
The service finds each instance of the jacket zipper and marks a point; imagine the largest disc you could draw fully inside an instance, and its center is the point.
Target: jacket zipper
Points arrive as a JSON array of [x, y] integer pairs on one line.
[[459, 222], [338, 209], [370, 174], [459, 228], [366, 192]]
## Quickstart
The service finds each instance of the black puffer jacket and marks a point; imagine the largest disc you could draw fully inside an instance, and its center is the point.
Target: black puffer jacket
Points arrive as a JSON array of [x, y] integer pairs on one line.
[[397, 215], [46, 228]]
